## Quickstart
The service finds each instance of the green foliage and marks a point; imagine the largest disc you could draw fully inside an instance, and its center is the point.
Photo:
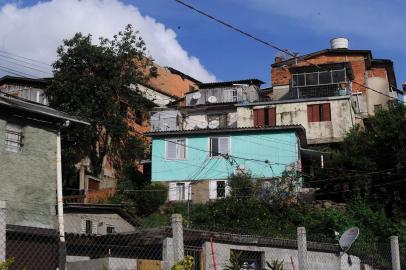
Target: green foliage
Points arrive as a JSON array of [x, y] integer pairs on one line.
[[186, 264], [370, 165], [236, 261], [7, 263], [241, 185], [150, 198], [275, 265], [92, 81]]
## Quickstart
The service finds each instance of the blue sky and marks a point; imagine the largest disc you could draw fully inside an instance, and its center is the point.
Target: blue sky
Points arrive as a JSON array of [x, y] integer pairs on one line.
[[301, 26]]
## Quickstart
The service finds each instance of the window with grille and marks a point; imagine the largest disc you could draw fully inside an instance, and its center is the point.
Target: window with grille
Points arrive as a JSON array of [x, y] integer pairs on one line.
[[14, 137], [176, 148], [219, 146], [110, 229], [318, 112], [221, 189]]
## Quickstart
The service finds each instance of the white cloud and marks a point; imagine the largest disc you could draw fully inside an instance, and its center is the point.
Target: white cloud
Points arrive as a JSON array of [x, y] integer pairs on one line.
[[37, 31]]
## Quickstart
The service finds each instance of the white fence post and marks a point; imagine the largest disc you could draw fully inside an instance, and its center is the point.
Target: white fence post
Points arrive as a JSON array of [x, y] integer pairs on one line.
[[3, 225], [301, 248], [394, 248], [177, 231]]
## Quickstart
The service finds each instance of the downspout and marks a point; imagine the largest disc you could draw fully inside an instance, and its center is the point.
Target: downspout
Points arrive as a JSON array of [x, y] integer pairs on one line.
[[59, 187]]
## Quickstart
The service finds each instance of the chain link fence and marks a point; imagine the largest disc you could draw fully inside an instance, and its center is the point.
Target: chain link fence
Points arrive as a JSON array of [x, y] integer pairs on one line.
[[102, 239]]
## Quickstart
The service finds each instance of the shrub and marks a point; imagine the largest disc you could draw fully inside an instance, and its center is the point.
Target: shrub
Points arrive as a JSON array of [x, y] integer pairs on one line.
[[150, 198], [186, 264]]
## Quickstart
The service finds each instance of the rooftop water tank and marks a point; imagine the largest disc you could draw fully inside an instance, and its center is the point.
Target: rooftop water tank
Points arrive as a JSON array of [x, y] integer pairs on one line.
[[339, 43]]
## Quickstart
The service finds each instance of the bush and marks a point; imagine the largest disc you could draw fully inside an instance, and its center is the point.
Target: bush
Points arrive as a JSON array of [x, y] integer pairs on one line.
[[150, 198]]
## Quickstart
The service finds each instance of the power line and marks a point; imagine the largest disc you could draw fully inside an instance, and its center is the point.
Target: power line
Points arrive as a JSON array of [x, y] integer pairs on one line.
[[26, 58], [18, 73], [25, 66], [273, 45]]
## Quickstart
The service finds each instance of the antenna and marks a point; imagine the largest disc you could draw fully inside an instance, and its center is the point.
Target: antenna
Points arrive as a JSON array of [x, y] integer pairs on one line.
[[346, 241]]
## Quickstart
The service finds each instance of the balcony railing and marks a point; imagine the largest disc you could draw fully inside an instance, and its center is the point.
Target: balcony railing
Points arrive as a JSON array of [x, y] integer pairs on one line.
[[330, 90]]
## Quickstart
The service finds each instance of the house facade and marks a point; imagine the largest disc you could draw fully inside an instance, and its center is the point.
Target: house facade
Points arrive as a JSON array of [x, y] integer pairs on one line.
[[26, 88], [28, 160], [196, 164]]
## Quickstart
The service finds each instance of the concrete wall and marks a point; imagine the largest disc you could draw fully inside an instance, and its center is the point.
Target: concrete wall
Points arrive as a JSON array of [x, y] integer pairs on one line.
[[74, 223], [316, 260], [199, 119], [28, 178], [280, 147], [159, 99], [103, 263], [289, 113], [374, 98]]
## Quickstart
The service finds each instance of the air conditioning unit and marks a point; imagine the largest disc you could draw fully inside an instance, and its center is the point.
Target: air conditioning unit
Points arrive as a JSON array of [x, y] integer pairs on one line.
[[212, 99]]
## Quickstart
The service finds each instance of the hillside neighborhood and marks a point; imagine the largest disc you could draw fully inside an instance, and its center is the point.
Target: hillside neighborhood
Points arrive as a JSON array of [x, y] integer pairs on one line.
[[115, 161]]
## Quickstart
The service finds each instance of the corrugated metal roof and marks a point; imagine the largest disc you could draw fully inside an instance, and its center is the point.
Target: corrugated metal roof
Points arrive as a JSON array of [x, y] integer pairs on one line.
[[297, 128], [252, 81], [36, 108]]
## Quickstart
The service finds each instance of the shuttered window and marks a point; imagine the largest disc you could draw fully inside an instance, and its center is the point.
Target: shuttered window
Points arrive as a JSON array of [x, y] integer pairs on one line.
[[319, 112], [265, 117], [176, 148], [219, 146]]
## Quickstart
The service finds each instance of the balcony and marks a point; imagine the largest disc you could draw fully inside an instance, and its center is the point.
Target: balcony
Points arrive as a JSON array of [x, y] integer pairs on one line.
[[331, 90]]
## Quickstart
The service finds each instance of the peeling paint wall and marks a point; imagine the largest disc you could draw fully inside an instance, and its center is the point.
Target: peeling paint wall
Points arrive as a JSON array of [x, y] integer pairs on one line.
[[342, 119]]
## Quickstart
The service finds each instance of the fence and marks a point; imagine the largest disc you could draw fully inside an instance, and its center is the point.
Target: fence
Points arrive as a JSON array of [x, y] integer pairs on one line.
[[105, 241]]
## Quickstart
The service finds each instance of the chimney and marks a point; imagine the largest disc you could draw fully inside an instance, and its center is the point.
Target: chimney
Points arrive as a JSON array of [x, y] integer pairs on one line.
[[278, 59], [339, 43]]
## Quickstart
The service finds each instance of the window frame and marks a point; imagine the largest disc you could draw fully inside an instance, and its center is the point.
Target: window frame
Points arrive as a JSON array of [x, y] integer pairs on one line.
[[179, 184], [223, 190], [90, 222], [14, 146], [210, 145], [167, 141], [108, 226], [322, 117]]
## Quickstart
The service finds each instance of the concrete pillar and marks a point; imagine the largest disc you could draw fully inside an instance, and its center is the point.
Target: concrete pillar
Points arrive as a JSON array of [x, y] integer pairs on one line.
[[301, 248], [3, 224], [394, 248], [167, 253], [177, 231]]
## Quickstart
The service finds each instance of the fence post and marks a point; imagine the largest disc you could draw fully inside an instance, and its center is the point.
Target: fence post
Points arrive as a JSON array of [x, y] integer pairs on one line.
[[3, 224], [394, 248], [301, 248], [177, 231]]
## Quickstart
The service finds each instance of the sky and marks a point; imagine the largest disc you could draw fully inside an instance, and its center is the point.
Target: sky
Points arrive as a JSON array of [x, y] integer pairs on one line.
[[180, 38]]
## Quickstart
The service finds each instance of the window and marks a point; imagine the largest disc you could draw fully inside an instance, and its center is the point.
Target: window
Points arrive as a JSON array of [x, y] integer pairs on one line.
[[318, 112], [221, 189], [219, 146], [377, 108], [319, 78], [36, 95], [221, 119], [139, 119], [14, 137], [230, 95], [180, 190], [265, 117], [89, 226], [176, 148], [110, 229]]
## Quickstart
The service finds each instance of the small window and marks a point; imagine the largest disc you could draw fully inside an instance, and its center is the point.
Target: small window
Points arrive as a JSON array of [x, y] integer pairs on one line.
[[265, 117], [139, 119], [180, 190], [176, 148], [377, 108], [219, 146], [110, 229], [89, 226], [14, 137], [230, 95], [221, 189], [318, 112]]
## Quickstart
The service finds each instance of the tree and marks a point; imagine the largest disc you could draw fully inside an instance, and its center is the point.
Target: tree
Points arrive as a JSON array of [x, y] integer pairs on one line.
[[93, 81], [371, 163]]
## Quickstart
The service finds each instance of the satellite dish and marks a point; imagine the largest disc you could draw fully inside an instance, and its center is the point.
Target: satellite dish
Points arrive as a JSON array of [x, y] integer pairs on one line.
[[197, 95], [212, 99], [214, 124], [202, 124], [348, 238]]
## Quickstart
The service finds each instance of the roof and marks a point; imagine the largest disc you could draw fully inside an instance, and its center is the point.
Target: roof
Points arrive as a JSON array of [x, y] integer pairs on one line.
[[321, 52], [20, 104], [252, 81], [24, 80], [180, 73], [84, 208], [299, 129]]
